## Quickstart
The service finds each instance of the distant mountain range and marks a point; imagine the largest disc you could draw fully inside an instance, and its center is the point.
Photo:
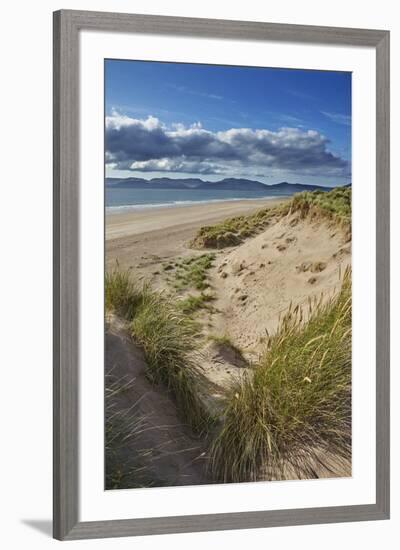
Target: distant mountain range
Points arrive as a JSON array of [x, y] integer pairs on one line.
[[232, 184]]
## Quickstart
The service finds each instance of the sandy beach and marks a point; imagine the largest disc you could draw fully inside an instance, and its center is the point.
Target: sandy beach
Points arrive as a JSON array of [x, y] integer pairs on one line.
[[133, 222], [165, 232]]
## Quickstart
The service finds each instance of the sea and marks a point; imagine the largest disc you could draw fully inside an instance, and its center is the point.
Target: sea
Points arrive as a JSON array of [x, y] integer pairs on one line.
[[119, 200]]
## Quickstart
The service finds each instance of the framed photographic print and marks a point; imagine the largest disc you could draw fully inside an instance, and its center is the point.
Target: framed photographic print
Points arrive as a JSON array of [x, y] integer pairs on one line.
[[221, 274]]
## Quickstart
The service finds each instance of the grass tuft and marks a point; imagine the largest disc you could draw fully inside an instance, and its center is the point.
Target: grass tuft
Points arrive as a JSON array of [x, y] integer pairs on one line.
[[334, 205], [168, 338], [169, 341], [191, 303], [233, 231], [298, 401], [192, 272], [121, 294]]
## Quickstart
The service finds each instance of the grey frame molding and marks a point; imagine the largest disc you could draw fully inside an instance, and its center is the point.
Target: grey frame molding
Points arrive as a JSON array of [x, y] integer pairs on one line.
[[67, 25]]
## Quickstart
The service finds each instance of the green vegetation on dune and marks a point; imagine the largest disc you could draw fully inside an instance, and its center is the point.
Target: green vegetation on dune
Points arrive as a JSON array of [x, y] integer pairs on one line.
[[121, 295], [168, 338], [192, 272], [233, 231], [191, 303], [297, 403], [334, 205]]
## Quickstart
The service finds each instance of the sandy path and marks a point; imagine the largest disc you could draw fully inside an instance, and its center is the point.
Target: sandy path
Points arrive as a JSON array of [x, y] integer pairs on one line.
[[172, 455]]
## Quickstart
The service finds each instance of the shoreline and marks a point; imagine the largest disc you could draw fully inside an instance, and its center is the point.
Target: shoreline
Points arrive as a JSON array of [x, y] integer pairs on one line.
[[112, 210], [120, 225]]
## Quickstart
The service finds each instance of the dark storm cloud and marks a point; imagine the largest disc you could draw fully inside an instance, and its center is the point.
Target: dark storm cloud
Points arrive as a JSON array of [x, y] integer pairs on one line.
[[148, 145]]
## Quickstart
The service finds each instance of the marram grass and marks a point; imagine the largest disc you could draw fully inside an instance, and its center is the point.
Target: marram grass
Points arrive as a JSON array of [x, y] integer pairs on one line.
[[297, 403], [122, 427], [168, 338], [169, 341], [121, 294], [333, 206]]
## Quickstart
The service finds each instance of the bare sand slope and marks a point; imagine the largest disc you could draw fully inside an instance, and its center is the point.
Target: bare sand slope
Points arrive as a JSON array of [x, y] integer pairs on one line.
[[289, 263], [171, 454]]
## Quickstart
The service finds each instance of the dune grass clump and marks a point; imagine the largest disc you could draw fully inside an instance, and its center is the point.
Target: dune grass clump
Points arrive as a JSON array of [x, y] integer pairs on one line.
[[192, 272], [297, 403], [121, 294], [233, 231], [168, 338], [335, 205], [191, 303]]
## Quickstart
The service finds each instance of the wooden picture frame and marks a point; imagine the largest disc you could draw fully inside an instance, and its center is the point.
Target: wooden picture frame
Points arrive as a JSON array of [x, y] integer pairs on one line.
[[67, 26]]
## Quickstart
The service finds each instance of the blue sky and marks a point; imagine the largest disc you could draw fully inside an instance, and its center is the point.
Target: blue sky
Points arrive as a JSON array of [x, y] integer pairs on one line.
[[210, 121]]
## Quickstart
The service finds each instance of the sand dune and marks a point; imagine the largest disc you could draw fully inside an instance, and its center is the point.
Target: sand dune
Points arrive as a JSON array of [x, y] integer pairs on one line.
[[289, 263], [292, 261], [254, 283]]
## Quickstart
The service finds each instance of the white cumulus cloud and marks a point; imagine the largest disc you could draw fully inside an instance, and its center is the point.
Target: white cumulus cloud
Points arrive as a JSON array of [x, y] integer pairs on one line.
[[149, 145]]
